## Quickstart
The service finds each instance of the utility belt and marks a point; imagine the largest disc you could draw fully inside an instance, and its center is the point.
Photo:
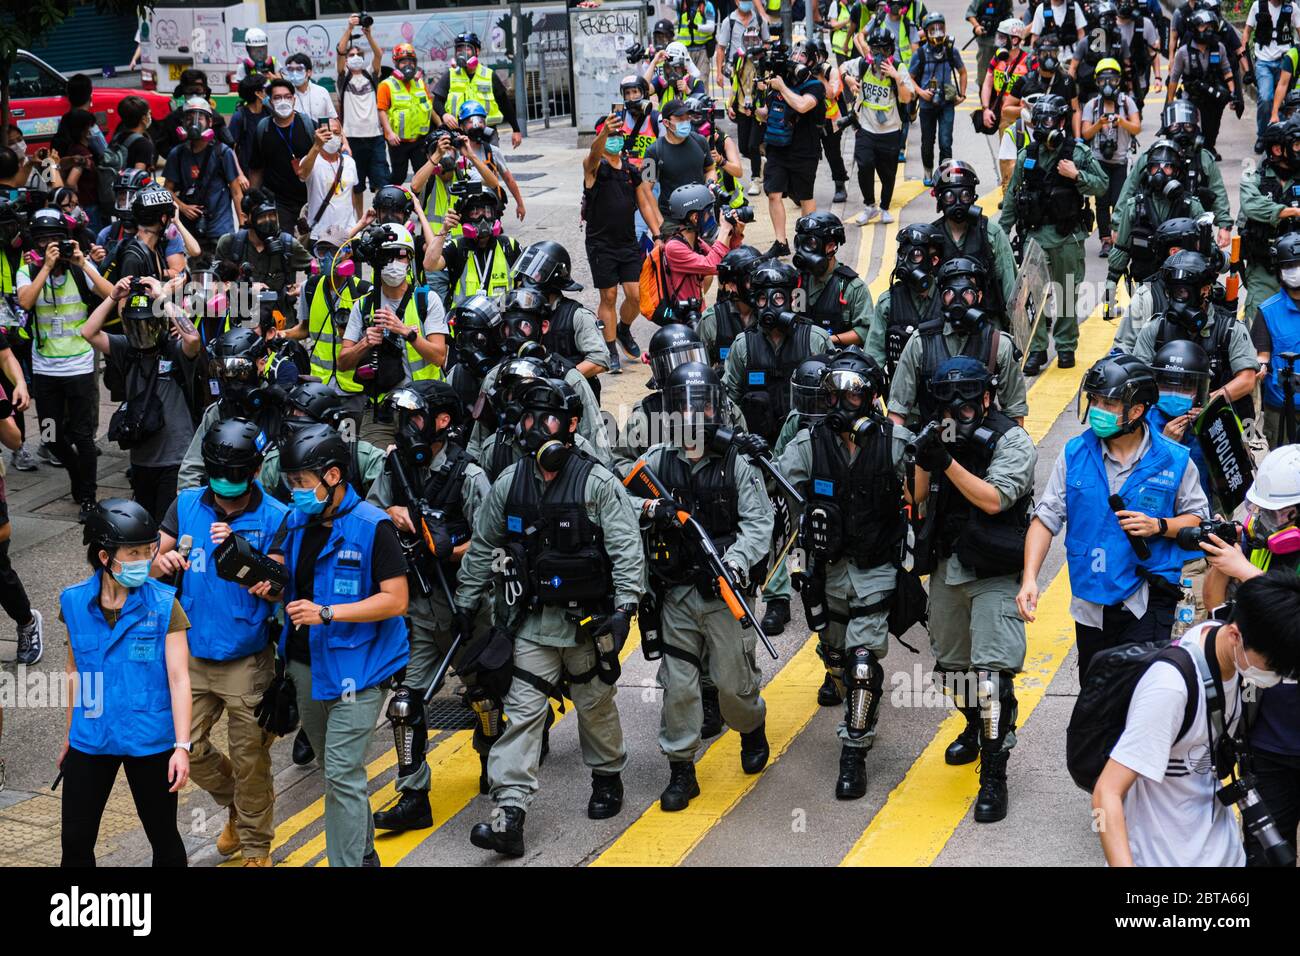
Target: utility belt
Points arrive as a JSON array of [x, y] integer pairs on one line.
[[607, 666]]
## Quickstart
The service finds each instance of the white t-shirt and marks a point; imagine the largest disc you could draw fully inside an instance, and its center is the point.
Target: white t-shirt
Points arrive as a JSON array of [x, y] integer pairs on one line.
[[1125, 106], [1272, 51], [83, 364], [360, 109], [315, 103], [1058, 15], [1172, 815], [1007, 148], [340, 215], [435, 321]]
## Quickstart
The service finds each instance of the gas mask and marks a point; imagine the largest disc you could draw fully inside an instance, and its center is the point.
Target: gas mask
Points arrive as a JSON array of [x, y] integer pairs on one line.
[[197, 128], [476, 350], [1274, 530], [960, 302], [1048, 63], [477, 130], [1187, 138], [965, 401], [412, 444], [1163, 181], [810, 254], [912, 267], [483, 229], [1049, 136], [1188, 308], [408, 70], [466, 59], [772, 306], [707, 225], [541, 433], [955, 204], [1109, 87], [267, 228], [521, 329]]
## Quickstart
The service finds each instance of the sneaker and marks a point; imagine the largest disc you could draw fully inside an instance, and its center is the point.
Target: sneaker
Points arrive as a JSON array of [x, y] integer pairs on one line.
[[885, 216], [902, 155], [929, 178], [864, 217], [755, 188], [778, 248], [615, 366], [627, 341], [1106, 245], [46, 454], [840, 194], [31, 640], [24, 460]]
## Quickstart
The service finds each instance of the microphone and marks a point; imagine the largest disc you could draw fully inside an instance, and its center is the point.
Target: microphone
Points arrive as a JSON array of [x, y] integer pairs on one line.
[[183, 547], [1140, 546]]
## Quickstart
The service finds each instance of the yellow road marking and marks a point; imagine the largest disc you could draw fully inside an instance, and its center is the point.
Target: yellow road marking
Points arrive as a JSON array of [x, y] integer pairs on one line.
[[665, 839], [904, 193], [922, 812]]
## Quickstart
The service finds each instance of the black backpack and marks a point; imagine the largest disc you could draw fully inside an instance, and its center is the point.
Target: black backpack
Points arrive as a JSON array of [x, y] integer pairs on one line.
[[1101, 710]]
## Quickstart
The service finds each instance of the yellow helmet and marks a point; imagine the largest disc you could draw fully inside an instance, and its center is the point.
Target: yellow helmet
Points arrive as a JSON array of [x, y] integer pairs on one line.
[[1109, 63]]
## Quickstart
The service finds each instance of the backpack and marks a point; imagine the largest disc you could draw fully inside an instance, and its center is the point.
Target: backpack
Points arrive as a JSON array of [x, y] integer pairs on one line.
[[654, 285], [1101, 709], [111, 164]]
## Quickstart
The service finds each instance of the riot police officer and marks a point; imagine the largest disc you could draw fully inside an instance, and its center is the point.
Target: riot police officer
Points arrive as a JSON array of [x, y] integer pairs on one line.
[[448, 489], [1103, 41], [573, 554], [1270, 205], [1150, 298], [572, 331], [477, 346], [724, 494], [671, 345], [966, 231], [910, 298], [837, 298], [733, 312], [978, 488], [1047, 201], [849, 467], [1207, 77], [1162, 195], [960, 326]]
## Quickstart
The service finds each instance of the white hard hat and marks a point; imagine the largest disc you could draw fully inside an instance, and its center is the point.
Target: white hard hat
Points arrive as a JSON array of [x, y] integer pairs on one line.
[[255, 37], [677, 51], [1012, 27], [397, 236], [197, 104], [1277, 482]]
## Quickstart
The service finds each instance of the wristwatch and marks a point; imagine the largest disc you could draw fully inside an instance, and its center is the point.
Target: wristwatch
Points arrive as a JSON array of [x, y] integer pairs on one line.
[[326, 614], [183, 746], [411, 335], [1164, 527]]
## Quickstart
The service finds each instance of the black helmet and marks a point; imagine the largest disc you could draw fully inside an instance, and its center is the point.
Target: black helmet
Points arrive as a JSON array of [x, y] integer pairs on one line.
[[1123, 378], [693, 391], [48, 225], [673, 345], [807, 397], [232, 449], [1185, 274], [693, 197], [1184, 366], [234, 356], [920, 247], [143, 323], [956, 174], [880, 42], [812, 234], [771, 288], [1276, 135], [119, 523], [961, 292], [128, 183], [152, 204], [634, 81], [954, 189], [1107, 13], [1181, 232], [815, 50], [415, 440], [1180, 121], [1203, 24], [314, 448], [1290, 105], [1285, 252], [546, 266], [852, 381], [476, 322], [1048, 53], [440, 396], [1165, 152], [468, 39], [317, 402], [735, 267], [1048, 119], [515, 373], [663, 28], [393, 204]]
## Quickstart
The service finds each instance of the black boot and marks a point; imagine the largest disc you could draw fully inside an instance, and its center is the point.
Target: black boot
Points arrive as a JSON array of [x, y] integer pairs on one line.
[[1064, 359], [840, 194], [991, 804], [682, 786], [302, 752], [852, 782], [1035, 363], [754, 750], [776, 617], [828, 695], [712, 725], [411, 812], [505, 833], [546, 734], [606, 796], [966, 748]]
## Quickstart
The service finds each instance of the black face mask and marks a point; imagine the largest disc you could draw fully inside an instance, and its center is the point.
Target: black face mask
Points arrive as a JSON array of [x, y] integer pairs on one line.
[[412, 446], [1049, 64], [957, 212], [962, 317], [1190, 315], [913, 274], [634, 106], [1052, 138], [266, 229]]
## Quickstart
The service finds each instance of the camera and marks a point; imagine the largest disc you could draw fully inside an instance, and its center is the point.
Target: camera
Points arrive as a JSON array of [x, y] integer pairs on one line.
[[636, 53], [743, 214], [462, 191], [687, 311], [1257, 821], [369, 246], [774, 60], [367, 21], [1190, 538], [67, 248], [270, 315], [1107, 147]]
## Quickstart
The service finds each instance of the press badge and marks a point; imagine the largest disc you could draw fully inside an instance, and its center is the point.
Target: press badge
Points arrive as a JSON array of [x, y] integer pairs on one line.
[[164, 366], [349, 587], [824, 488], [1148, 501], [757, 378]]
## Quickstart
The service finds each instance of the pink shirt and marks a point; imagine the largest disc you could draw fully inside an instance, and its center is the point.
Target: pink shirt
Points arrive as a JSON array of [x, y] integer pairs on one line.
[[687, 268]]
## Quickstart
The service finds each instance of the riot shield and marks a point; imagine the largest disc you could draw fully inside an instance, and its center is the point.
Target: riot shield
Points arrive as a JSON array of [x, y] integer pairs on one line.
[[1028, 298]]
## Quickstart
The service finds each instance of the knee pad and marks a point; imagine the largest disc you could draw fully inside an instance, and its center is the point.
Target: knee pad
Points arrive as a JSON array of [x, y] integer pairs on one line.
[[834, 659], [864, 680], [410, 731], [487, 710]]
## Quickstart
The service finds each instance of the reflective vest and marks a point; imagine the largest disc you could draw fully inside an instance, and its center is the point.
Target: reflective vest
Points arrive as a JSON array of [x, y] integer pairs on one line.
[[686, 27], [437, 200], [1005, 72], [59, 315], [642, 136], [421, 368], [841, 38], [498, 273], [1103, 565], [12, 319], [410, 107], [345, 657], [226, 622], [123, 670], [462, 88], [1282, 317], [327, 335]]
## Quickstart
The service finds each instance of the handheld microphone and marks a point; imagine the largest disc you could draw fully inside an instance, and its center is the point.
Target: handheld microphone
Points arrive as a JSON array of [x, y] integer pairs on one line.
[[183, 546], [1140, 546]]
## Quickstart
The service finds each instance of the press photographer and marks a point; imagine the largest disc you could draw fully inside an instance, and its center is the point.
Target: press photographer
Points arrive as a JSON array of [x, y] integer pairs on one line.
[[794, 108]]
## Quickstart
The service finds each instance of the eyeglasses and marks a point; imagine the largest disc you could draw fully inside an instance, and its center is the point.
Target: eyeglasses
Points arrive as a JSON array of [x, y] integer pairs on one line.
[[287, 98]]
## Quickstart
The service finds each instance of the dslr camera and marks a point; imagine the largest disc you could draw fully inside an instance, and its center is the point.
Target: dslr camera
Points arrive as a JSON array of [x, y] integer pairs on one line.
[[774, 60], [687, 311], [636, 53], [462, 191], [67, 248], [743, 214], [369, 246], [1189, 539]]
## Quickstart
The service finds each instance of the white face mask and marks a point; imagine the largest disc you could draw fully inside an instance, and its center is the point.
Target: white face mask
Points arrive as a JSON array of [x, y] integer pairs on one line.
[[1261, 678], [283, 108], [1291, 277], [332, 145], [394, 273], [356, 62], [20, 148], [296, 77]]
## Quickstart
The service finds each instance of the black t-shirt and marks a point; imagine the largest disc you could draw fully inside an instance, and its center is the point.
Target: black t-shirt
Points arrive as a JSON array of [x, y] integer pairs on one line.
[[387, 560], [679, 164], [805, 136], [137, 259], [140, 151], [274, 152], [611, 206], [1062, 84]]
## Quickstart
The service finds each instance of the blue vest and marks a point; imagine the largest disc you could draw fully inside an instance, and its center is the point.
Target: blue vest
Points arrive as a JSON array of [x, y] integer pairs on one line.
[[1282, 316], [1092, 532], [1157, 420], [129, 712], [226, 622], [346, 658]]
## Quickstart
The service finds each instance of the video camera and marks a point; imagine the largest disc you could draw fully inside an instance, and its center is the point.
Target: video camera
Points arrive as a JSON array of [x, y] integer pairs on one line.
[[271, 309], [636, 53], [368, 246], [462, 191], [774, 60], [1189, 539]]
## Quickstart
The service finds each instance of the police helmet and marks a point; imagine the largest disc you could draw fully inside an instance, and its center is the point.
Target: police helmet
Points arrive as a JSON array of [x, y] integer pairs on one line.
[[546, 266], [673, 345]]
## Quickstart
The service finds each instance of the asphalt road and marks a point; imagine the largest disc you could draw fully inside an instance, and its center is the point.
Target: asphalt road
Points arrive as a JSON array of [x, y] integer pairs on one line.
[[916, 811]]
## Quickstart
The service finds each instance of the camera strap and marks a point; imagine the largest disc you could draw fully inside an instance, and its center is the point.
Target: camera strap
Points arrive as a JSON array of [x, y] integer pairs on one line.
[[1223, 750]]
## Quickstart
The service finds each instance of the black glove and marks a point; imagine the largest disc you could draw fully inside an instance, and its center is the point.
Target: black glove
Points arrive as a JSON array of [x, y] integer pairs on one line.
[[1239, 105], [462, 621], [620, 622], [932, 455], [663, 513], [751, 445]]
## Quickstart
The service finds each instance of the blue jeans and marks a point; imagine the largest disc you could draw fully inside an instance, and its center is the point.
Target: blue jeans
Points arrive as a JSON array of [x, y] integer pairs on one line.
[[371, 156], [1266, 77], [934, 119]]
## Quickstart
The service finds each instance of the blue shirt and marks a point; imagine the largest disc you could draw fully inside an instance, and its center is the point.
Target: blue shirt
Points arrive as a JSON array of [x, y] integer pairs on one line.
[[212, 170]]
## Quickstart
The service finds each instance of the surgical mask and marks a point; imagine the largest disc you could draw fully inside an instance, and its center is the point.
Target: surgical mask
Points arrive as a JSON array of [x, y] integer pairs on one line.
[[305, 500], [746, 5], [332, 145], [1261, 678], [394, 273], [682, 129], [225, 488], [295, 77], [1173, 404], [20, 148], [356, 62], [1104, 424], [1291, 277], [283, 108], [614, 145], [133, 573]]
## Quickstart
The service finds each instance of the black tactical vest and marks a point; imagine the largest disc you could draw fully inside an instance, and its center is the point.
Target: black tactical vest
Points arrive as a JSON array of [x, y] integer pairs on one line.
[[982, 252], [859, 504], [727, 320], [934, 352], [765, 399], [710, 495], [829, 309]]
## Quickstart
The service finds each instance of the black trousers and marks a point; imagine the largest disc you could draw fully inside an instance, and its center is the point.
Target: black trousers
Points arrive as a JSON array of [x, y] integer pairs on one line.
[[22, 349], [1277, 778], [1117, 172], [155, 488], [1211, 120], [65, 409], [749, 137], [13, 596], [1119, 626], [399, 157], [87, 783], [876, 154], [834, 155]]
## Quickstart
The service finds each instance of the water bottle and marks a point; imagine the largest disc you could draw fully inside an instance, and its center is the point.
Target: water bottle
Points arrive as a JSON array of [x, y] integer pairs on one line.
[[1185, 612]]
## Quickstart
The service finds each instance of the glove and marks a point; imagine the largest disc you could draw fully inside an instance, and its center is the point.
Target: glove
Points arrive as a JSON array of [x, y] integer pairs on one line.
[[932, 455], [620, 623], [1239, 106], [663, 513], [738, 574], [751, 445], [462, 621]]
